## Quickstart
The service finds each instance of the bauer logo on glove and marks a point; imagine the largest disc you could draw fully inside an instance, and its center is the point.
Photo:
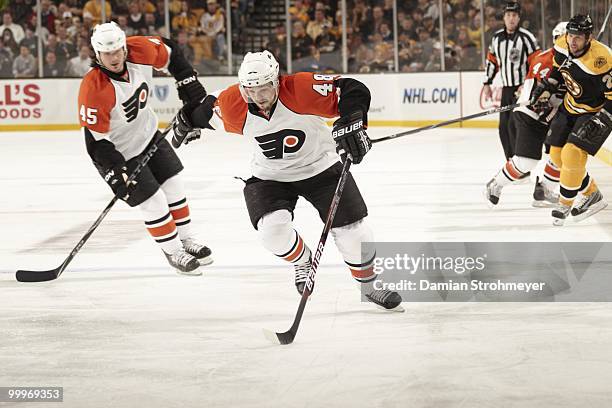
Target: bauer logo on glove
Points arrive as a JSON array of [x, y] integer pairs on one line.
[[351, 138]]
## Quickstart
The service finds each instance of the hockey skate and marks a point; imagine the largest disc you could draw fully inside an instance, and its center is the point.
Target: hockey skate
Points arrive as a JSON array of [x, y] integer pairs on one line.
[[543, 196], [201, 252], [301, 273], [560, 213], [492, 192], [588, 206], [386, 299], [184, 263]]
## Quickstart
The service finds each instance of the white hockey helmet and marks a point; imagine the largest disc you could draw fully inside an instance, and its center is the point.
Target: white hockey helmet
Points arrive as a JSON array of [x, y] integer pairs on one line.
[[258, 68], [559, 30], [107, 37]]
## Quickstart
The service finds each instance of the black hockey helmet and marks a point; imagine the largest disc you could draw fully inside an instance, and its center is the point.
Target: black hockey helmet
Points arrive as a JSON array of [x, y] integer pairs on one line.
[[512, 6], [580, 24]]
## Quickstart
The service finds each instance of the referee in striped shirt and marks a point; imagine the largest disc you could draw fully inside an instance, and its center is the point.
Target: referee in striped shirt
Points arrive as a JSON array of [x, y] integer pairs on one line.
[[510, 47]]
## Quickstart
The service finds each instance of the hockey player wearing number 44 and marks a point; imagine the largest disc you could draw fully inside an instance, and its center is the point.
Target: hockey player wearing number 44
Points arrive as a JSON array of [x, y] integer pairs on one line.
[[294, 155], [119, 126]]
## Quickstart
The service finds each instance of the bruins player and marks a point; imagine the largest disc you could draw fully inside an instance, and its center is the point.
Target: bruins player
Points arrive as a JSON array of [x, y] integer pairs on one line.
[[584, 120]]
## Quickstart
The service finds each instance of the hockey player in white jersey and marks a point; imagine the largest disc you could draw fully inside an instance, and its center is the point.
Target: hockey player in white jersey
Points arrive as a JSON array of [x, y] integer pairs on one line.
[[295, 155], [119, 125]]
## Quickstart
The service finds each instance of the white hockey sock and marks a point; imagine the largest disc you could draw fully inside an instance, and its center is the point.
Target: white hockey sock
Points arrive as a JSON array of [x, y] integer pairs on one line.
[[160, 223], [515, 168], [551, 176], [278, 236], [359, 260], [179, 209]]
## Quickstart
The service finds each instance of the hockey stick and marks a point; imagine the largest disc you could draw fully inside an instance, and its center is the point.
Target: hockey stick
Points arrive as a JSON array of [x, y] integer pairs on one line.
[[450, 122], [43, 276], [604, 25], [288, 336]]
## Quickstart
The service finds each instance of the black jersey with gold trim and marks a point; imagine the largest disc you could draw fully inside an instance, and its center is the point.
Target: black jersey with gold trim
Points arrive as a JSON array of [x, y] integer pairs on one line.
[[588, 78]]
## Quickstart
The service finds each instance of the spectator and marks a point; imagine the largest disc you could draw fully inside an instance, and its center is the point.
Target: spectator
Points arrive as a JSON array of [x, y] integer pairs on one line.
[[378, 18], [30, 41], [146, 6], [299, 11], [24, 66], [20, 10], [212, 24], [183, 43], [52, 68], [300, 41], [385, 32], [48, 14], [320, 23], [65, 44], [185, 20], [408, 28], [425, 40], [122, 21], [79, 65], [8, 24], [150, 25], [6, 61], [136, 19], [9, 41], [359, 19], [61, 52], [75, 28], [94, 8], [277, 44]]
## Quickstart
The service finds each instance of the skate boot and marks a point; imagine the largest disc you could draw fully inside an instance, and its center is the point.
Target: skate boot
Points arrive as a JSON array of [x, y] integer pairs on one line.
[[301, 273], [560, 213], [184, 263], [386, 299], [588, 206], [200, 252], [492, 192], [543, 196]]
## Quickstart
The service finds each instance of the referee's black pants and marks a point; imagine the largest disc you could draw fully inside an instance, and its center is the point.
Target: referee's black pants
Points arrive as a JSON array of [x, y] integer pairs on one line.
[[506, 134]]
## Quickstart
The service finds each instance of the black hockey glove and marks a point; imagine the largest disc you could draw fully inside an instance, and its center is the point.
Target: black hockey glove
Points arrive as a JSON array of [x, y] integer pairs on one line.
[[542, 90], [190, 119], [595, 130], [116, 178], [351, 138], [189, 87]]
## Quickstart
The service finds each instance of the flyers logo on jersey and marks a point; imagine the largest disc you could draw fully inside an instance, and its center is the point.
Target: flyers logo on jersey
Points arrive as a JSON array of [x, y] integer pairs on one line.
[[136, 102], [276, 145]]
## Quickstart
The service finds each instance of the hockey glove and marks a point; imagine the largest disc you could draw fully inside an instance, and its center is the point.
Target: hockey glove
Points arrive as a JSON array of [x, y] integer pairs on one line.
[[190, 118], [116, 178], [189, 87], [545, 85], [351, 138], [597, 129]]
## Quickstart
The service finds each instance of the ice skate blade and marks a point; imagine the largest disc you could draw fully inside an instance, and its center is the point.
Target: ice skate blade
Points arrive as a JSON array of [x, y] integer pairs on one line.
[[206, 261], [397, 309], [195, 272], [558, 222], [542, 204], [591, 211]]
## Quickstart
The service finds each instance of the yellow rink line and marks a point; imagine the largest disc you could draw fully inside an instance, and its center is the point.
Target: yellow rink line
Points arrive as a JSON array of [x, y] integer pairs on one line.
[[604, 154]]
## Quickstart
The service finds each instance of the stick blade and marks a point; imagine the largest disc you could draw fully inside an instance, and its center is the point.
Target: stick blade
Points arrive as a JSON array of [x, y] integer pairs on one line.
[[279, 338], [37, 276]]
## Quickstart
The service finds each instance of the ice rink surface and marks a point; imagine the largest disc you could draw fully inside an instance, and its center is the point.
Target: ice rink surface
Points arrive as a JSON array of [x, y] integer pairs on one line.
[[120, 329]]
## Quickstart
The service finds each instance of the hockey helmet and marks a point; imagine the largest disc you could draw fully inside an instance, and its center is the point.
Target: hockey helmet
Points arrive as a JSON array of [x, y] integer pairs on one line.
[[107, 37], [258, 74], [559, 30], [580, 24]]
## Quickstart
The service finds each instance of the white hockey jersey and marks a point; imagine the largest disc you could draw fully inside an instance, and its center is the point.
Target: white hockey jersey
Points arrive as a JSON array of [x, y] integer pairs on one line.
[[294, 143], [118, 110]]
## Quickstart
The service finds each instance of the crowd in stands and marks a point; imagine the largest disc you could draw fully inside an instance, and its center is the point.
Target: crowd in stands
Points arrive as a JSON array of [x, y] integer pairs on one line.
[[316, 33], [198, 26]]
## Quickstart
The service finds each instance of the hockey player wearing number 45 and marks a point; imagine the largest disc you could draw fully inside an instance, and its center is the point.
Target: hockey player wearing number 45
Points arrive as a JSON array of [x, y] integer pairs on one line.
[[295, 155], [119, 125]]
